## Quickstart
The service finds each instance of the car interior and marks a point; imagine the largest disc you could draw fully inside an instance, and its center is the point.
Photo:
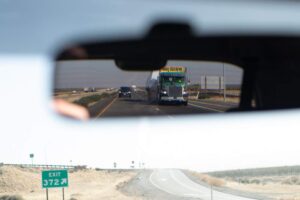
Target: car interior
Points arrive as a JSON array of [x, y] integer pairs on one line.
[[150, 100], [270, 64]]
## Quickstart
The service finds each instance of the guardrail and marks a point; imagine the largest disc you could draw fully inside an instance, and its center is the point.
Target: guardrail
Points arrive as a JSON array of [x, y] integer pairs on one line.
[[45, 166]]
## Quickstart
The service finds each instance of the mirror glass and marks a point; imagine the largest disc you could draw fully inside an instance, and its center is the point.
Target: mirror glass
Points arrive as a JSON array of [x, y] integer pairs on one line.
[[86, 89]]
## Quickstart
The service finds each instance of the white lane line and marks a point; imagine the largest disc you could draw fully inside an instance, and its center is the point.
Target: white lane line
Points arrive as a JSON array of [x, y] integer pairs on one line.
[[211, 109], [212, 104], [184, 185], [151, 181], [197, 196], [225, 196], [159, 110]]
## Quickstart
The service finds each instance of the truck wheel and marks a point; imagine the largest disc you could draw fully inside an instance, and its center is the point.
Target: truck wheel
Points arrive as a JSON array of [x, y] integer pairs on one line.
[[185, 103]]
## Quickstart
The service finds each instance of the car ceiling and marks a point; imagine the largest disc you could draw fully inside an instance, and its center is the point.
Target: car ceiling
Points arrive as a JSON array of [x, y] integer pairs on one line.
[[44, 27]]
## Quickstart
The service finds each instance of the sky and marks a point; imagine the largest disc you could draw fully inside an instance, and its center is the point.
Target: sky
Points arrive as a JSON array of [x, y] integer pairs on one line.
[[104, 73]]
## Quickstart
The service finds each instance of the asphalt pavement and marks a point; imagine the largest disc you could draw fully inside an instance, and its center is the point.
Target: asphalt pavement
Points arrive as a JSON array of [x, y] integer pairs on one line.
[[138, 105], [174, 184]]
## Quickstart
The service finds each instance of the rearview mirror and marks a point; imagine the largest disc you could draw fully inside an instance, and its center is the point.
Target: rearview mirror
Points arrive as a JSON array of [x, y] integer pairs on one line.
[[142, 77]]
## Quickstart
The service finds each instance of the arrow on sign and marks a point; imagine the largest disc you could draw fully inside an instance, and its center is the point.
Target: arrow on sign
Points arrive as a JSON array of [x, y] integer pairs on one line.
[[63, 181]]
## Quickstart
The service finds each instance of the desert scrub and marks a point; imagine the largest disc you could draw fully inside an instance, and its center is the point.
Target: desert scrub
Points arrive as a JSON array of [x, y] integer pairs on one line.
[[13, 197], [255, 181], [294, 180], [209, 179]]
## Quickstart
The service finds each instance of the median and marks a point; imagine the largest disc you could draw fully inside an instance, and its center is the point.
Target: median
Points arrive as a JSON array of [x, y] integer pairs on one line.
[[88, 101]]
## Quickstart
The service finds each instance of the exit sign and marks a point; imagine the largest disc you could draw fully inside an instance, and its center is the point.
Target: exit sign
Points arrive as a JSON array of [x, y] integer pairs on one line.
[[55, 178]]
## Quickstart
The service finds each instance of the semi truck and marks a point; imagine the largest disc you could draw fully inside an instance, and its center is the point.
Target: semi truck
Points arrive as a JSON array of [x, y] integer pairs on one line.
[[168, 85]]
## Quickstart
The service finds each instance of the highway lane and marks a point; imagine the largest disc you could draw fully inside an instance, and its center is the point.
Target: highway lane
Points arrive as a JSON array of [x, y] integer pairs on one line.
[[139, 106], [213, 105], [176, 183]]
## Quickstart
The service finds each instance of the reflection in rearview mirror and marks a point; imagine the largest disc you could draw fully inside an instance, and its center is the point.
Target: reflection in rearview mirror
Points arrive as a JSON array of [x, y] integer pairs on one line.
[[97, 89]]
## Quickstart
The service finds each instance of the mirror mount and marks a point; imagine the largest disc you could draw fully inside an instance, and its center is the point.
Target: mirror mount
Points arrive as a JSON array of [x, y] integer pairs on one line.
[[148, 58]]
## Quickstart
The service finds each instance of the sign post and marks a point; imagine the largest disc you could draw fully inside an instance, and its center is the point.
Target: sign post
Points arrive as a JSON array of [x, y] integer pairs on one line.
[[31, 157], [55, 179]]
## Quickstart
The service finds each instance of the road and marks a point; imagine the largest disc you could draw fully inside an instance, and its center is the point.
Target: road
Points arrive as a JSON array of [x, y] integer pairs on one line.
[[174, 184], [139, 106]]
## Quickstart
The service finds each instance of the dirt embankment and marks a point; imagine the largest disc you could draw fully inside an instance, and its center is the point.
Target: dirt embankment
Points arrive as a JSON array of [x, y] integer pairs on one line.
[[88, 184]]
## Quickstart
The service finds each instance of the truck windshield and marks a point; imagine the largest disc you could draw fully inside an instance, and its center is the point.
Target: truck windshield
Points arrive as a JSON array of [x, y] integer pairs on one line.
[[125, 89], [170, 80]]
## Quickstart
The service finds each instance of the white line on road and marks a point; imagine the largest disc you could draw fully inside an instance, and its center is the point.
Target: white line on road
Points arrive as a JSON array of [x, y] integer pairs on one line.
[[151, 181], [181, 185], [193, 195], [212, 104], [184, 185], [211, 109]]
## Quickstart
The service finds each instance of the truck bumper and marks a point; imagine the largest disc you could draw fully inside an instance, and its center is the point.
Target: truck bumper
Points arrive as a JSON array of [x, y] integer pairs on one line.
[[174, 100]]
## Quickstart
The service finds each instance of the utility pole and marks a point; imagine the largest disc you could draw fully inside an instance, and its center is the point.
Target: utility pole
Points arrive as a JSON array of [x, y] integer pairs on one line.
[[224, 84], [211, 192]]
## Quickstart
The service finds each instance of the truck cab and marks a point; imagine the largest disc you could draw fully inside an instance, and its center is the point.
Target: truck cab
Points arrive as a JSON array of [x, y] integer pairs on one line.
[[172, 85], [168, 86]]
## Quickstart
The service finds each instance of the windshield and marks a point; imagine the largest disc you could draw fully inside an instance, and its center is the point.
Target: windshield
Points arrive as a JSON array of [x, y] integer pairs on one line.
[[172, 80], [125, 89]]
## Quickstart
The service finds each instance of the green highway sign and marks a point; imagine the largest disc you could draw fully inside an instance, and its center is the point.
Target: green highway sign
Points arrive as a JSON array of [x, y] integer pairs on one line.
[[55, 178]]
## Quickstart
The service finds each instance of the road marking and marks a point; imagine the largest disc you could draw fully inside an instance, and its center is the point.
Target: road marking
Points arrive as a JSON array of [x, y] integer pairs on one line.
[[180, 183], [192, 195], [163, 189], [106, 107], [211, 104], [211, 109], [151, 181]]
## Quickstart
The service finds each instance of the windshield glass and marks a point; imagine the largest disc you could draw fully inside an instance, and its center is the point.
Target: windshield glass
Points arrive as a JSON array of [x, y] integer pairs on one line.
[[125, 89], [172, 80]]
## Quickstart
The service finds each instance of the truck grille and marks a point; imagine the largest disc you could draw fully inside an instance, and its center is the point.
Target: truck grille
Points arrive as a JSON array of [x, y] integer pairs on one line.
[[175, 91]]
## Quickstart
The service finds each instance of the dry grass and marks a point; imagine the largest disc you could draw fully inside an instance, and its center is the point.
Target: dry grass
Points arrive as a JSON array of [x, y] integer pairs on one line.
[[209, 179], [277, 187], [293, 180], [9, 197], [85, 184], [16, 179]]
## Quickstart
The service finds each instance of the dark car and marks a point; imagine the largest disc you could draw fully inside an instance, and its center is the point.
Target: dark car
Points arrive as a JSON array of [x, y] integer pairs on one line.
[[125, 92]]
